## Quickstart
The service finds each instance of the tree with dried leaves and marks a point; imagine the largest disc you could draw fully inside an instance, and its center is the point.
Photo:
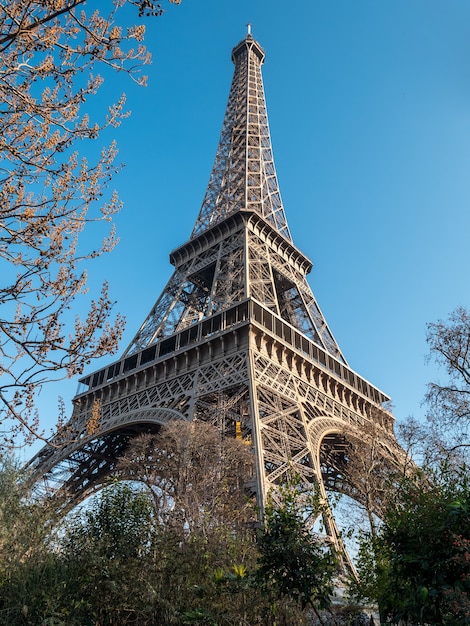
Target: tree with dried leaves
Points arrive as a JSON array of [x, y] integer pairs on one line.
[[52, 52], [374, 464], [196, 478]]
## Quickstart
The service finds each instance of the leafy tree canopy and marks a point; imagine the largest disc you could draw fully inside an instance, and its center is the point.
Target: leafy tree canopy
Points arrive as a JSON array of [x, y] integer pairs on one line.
[[418, 567], [293, 562]]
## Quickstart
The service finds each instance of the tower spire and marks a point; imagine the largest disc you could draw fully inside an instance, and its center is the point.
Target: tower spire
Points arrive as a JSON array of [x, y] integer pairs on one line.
[[243, 175]]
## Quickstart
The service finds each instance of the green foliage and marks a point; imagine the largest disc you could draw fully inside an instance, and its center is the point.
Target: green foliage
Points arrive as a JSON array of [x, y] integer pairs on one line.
[[418, 568], [28, 563], [104, 547], [118, 525], [294, 563], [92, 573], [15, 538], [111, 564], [116, 561], [426, 532], [373, 570]]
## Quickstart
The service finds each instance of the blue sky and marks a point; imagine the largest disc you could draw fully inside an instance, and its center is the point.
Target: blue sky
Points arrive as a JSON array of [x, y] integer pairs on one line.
[[369, 110]]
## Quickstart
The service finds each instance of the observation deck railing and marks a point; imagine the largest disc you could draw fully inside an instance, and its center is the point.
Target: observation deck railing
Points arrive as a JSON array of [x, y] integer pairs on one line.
[[243, 313]]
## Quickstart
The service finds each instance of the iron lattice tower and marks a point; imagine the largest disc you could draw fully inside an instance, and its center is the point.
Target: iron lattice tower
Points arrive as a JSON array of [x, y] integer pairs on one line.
[[236, 338]]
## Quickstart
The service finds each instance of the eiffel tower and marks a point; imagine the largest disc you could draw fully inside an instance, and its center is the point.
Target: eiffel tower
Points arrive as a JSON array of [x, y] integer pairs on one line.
[[236, 339]]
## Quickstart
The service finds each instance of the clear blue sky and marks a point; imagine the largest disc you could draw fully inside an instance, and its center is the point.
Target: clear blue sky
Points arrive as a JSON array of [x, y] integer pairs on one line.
[[369, 109]]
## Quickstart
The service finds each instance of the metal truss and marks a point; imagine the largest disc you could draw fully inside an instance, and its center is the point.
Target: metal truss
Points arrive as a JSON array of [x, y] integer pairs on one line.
[[250, 255], [236, 339], [243, 175]]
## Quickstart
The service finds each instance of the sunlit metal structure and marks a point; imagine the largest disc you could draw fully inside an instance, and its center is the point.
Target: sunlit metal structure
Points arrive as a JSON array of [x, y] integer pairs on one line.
[[236, 338]]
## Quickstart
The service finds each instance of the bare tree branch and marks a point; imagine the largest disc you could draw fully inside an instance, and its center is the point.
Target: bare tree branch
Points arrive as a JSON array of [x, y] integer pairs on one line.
[[50, 194]]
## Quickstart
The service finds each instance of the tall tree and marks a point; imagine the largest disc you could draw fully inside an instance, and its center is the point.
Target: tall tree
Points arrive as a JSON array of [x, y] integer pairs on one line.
[[196, 477], [449, 402], [52, 52], [368, 467], [25, 539], [98, 569], [23, 521], [295, 564]]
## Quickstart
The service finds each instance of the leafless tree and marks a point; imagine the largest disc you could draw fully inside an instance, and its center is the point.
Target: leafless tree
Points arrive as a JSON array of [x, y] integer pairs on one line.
[[449, 402], [372, 465], [197, 478]]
